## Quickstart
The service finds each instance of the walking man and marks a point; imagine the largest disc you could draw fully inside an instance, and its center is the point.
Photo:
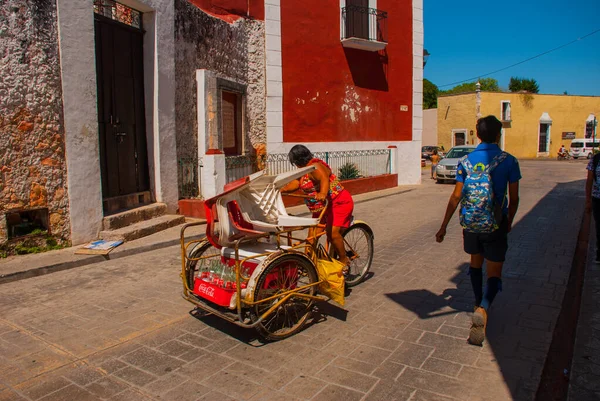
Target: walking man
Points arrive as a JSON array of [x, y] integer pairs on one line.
[[486, 215]]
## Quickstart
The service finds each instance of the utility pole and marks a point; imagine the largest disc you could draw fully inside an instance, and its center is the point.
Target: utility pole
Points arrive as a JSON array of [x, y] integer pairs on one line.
[[477, 105], [595, 122]]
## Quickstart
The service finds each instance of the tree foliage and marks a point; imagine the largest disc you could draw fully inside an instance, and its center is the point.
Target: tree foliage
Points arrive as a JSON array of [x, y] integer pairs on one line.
[[430, 94], [517, 84], [487, 85]]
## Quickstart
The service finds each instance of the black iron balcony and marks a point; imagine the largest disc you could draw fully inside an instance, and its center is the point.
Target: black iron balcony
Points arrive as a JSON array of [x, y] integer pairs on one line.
[[364, 28]]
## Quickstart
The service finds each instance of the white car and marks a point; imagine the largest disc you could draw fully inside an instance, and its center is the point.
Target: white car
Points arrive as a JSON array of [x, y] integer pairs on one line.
[[446, 168], [583, 147]]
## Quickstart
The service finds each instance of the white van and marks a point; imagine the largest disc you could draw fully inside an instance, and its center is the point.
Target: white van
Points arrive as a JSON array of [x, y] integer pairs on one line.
[[583, 147]]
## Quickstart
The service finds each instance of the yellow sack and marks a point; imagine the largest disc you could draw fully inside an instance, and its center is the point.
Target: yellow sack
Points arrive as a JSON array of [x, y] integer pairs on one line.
[[330, 271]]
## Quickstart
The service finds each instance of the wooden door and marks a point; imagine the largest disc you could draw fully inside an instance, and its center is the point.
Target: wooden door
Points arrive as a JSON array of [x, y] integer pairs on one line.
[[121, 119]]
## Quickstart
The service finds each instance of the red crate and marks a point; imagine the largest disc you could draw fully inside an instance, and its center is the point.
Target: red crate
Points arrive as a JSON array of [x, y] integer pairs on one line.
[[213, 292]]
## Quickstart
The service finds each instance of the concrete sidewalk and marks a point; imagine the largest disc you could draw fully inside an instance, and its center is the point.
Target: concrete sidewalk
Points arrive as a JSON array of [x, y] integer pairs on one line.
[[584, 376], [20, 267]]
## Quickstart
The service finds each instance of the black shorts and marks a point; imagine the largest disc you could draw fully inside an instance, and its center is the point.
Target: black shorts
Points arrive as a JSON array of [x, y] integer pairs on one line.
[[492, 245]]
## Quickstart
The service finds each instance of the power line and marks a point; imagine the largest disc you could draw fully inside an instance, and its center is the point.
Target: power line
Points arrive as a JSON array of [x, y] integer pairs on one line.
[[521, 62]]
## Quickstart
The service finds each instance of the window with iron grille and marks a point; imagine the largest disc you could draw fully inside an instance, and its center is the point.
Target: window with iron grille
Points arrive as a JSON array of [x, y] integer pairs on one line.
[[361, 22]]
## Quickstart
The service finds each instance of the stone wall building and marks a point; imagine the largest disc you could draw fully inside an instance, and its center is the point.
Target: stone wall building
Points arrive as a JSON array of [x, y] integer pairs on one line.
[[32, 136]]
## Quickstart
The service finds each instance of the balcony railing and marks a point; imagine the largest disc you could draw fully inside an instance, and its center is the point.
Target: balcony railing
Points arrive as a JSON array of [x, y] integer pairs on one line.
[[364, 28]]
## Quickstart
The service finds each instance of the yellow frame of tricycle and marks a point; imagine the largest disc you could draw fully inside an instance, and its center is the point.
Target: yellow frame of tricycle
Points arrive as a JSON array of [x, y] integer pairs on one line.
[[310, 245]]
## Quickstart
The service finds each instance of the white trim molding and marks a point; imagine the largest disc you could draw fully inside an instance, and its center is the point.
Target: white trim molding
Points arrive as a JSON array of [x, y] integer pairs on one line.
[[547, 120], [80, 94], [502, 103], [417, 86], [274, 72], [80, 110], [458, 131]]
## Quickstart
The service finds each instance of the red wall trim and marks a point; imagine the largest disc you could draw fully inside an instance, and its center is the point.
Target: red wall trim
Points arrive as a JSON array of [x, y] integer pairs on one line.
[[232, 10], [356, 187], [192, 208]]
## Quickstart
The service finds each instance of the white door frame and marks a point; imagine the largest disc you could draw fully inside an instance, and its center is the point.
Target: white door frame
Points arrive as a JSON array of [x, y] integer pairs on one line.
[[459, 130], [544, 154]]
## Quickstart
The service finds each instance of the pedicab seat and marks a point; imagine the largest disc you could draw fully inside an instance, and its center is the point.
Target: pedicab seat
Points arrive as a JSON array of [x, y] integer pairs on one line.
[[255, 251], [253, 206]]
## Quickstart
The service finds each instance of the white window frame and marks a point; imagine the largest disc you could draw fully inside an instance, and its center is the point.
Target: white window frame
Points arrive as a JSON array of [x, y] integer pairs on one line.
[[372, 27], [502, 103], [544, 119], [457, 131]]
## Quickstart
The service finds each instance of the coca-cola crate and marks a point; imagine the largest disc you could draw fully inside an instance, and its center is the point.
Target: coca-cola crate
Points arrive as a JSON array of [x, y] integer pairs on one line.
[[213, 292]]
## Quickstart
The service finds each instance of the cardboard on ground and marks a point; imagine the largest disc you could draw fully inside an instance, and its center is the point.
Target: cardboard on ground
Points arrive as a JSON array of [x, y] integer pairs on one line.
[[100, 247]]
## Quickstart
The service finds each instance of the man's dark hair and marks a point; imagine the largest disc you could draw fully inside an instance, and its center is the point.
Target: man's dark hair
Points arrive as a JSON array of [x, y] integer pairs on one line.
[[488, 129], [300, 155]]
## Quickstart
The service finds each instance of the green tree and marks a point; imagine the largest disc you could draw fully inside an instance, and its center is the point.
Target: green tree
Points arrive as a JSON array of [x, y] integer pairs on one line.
[[487, 85], [430, 94], [517, 84]]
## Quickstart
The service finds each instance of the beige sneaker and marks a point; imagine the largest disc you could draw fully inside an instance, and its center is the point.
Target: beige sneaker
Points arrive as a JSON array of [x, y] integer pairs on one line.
[[477, 333]]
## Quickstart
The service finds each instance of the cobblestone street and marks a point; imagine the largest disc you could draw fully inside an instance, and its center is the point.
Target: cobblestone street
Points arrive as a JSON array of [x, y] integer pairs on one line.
[[119, 330]]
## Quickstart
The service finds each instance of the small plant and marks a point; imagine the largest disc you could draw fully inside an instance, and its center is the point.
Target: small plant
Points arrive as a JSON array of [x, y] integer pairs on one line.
[[349, 171], [32, 244]]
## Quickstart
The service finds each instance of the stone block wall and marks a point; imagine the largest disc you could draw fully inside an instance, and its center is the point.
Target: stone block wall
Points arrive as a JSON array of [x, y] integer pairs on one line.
[[234, 51], [32, 154]]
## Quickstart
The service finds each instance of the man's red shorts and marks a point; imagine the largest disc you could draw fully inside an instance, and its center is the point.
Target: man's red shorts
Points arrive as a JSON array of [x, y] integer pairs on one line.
[[339, 212]]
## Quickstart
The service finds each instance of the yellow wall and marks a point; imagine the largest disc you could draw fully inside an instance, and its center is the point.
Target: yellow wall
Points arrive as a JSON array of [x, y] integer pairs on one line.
[[568, 114], [455, 112]]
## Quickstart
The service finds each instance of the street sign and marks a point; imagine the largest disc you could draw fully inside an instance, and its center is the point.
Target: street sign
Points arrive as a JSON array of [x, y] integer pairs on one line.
[[568, 135]]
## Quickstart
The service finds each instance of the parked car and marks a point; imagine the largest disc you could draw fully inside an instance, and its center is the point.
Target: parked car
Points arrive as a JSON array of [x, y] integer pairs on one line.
[[427, 151], [583, 147], [446, 168]]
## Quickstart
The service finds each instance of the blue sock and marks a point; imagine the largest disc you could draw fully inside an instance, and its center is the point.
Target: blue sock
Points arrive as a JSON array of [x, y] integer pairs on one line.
[[494, 284], [477, 283]]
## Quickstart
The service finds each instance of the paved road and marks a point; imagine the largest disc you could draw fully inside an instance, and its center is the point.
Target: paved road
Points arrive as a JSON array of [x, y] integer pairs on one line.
[[119, 330]]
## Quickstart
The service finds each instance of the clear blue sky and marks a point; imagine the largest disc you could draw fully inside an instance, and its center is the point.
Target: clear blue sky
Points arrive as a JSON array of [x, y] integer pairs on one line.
[[468, 38]]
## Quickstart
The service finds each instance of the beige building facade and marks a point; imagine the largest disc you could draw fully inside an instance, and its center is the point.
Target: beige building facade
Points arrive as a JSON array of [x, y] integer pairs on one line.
[[534, 125]]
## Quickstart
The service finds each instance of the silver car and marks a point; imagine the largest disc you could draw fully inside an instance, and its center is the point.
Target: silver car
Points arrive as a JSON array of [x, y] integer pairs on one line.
[[446, 168]]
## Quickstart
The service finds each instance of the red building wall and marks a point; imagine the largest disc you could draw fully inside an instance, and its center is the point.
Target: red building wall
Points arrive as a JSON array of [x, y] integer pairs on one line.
[[331, 93], [232, 10]]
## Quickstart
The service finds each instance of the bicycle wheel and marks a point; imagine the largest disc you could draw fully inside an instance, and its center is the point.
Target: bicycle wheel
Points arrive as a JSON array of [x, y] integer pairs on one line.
[[284, 273], [193, 267], [358, 241]]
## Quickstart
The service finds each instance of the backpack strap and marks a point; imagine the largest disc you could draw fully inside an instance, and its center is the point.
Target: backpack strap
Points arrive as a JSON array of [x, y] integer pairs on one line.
[[496, 161], [595, 162], [466, 164]]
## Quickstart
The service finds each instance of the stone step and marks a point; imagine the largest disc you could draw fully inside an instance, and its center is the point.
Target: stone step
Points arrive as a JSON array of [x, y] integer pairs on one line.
[[143, 228], [132, 216]]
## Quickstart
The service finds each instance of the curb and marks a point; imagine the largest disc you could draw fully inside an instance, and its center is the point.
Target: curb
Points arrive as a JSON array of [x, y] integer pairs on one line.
[[554, 382], [40, 271]]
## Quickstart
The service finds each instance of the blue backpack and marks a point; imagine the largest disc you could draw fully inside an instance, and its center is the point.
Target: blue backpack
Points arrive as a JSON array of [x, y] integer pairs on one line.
[[479, 211]]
